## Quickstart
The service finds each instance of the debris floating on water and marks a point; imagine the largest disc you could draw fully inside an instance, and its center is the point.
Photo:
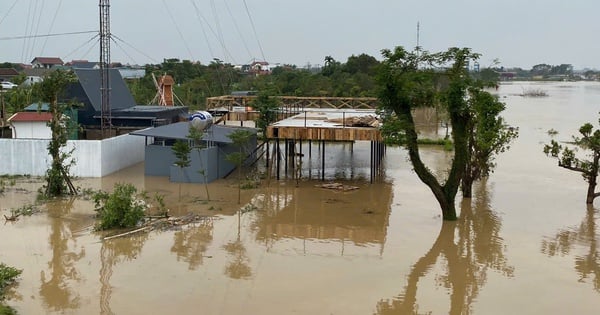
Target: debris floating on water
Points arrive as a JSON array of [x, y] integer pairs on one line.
[[337, 186]]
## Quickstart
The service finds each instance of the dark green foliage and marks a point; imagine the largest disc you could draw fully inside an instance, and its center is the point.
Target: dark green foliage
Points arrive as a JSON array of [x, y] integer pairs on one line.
[[267, 108], [411, 79], [196, 82], [567, 157], [489, 135], [123, 208], [6, 310], [8, 276], [182, 150]]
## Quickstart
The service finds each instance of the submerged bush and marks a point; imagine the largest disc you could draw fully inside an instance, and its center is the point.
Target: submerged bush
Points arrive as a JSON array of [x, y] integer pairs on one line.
[[123, 208], [8, 276]]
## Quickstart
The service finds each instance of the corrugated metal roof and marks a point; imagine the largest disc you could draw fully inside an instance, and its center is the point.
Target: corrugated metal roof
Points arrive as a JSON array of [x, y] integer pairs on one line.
[[180, 130], [35, 107], [30, 116], [90, 81]]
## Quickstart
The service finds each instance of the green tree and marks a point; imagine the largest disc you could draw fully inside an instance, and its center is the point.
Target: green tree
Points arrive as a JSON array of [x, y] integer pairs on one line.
[[196, 136], [267, 108], [566, 156], [331, 66], [240, 139], [182, 150], [362, 63], [489, 135], [409, 80], [489, 75], [58, 180]]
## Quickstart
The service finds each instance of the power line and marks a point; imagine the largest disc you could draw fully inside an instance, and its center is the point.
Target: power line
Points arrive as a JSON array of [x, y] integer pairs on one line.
[[213, 55], [178, 30], [201, 19], [124, 51], [132, 47], [47, 35], [8, 12], [254, 30], [25, 42], [37, 28], [51, 26], [237, 28], [82, 45]]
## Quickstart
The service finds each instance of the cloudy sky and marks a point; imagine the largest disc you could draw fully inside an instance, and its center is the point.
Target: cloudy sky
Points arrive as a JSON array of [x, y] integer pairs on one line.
[[518, 33]]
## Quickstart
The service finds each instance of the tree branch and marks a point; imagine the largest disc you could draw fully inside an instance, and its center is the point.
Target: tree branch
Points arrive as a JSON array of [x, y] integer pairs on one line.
[[572, 168]]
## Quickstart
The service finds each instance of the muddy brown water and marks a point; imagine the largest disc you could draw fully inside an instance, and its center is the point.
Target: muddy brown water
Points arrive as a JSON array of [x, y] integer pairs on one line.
[[525, 244]]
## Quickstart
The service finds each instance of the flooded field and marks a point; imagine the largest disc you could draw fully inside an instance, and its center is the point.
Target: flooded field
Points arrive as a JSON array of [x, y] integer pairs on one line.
[[524, 244]]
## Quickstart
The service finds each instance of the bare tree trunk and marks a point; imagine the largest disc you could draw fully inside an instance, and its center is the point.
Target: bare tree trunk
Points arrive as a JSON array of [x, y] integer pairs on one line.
[[591, 193]]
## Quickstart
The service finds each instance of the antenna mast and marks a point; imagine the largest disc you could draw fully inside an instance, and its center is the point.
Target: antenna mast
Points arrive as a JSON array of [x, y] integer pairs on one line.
[[105, 36], [418, 34]]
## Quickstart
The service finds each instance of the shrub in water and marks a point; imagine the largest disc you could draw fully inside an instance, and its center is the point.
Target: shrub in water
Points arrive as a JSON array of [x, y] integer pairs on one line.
[[8, 275], [121, 209]]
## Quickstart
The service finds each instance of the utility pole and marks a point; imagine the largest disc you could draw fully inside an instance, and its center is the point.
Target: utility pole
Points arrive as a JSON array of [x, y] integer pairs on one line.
[[105, 36], [2, 112]]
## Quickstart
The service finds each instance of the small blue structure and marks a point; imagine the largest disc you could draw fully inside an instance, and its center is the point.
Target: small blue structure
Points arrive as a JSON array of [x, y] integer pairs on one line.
[[209, 156]]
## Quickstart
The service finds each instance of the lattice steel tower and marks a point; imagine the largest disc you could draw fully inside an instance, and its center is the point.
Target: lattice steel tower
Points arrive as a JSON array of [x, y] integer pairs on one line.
[[105, 37]]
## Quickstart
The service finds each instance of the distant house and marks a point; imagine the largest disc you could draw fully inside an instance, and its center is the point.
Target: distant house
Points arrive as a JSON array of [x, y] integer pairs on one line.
[[83, 64], [132, 72], [30, 125], [6, 74], [35, 75], [46, 62], [260, 67]]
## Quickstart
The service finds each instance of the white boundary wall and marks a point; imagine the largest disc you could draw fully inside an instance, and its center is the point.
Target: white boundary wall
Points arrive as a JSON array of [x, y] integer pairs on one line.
[[94, 158]]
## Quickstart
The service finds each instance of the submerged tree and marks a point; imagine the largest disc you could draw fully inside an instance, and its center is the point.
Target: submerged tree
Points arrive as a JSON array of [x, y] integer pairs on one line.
[[406, 86], [489, 135], [196, 135], [240, 139], [58, 180], [589, 168], [182, 150]]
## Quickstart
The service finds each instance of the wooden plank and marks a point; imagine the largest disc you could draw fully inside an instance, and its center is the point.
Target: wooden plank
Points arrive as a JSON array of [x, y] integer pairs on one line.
[[327, 134]]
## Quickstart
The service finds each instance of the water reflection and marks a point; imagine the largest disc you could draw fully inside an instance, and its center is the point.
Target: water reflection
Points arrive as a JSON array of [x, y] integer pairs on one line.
[[470, 246], [56, 287], [239, 266], [323, 221], [190, 243], [112, 252], [585, 237]]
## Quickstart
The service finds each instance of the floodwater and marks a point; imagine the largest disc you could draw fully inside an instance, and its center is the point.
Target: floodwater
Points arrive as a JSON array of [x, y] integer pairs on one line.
[[526, 243]]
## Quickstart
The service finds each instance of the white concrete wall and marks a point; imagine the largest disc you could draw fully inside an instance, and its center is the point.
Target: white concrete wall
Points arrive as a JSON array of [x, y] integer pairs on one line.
[[94, 158], [121, 151], [31, 130]]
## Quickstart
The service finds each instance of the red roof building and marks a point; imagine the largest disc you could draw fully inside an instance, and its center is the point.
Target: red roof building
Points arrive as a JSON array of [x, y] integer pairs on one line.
[[30, 125], [46, 62], [30, 116]]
